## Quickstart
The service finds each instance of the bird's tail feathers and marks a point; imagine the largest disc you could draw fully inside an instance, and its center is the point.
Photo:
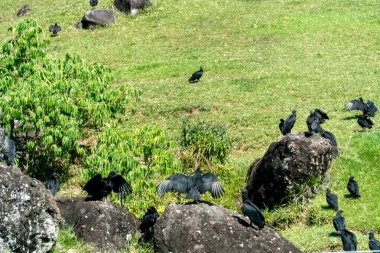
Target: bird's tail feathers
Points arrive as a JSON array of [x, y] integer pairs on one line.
[[193, 194]]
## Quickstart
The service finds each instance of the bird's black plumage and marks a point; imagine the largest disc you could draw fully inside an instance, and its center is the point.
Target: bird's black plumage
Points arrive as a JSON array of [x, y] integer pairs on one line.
[[332, 199], [339, 222], [54, 29], [98, 187], [196, 76], [353, 187], [23, 10], [373, 243], [330, 136], [147, 223], [314, 120], [368, 108], [348, 240], [93, 3], [252, 211], [287, 125], [365, 122], [193, 186], [52, 184]]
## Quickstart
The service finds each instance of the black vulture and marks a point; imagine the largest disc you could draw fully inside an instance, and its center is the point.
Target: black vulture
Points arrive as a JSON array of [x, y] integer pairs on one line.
[[339, 222], [368, 108], [54, 29], [287, 125], [147, 223], [373, 243], [348, 240], [193, 186], [332, 199], [23, 10], [330, 136], [52, 184], [353, 187], [315, 118], [93, 3], [98, 187], [365, 122], [252, 211], [196, 76]]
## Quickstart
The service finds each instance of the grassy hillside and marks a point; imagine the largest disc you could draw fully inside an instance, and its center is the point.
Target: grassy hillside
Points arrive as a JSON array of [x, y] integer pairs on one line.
[[261, 60]]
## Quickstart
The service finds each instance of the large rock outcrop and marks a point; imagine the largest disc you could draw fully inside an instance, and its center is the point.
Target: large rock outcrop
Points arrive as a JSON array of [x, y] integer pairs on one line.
[[294, 160], [29, 217], [206, 227], [131, 6], [100, 223]]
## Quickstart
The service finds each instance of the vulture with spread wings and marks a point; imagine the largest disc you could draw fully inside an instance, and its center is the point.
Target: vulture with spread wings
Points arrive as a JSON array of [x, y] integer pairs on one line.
[[368, 108], [193, 186]]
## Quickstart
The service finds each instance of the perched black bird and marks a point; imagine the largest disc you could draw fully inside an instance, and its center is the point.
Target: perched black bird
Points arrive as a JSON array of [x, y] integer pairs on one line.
[[365, 122], [52, 184], [348, 240], [332, 199], [98, 187], [368, 108], [373, 243], [339, 222], [196, 76], [315, 118], [93, 3], [23, 10], [193, 186], [353, 187], [330, 136], [54, 29], [252, 211], [287, 125], [147, 223]]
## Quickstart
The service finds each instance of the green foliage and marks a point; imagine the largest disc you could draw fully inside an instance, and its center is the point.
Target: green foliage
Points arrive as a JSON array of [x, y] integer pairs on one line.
[[141, 155], [57, 100], [205, 142]]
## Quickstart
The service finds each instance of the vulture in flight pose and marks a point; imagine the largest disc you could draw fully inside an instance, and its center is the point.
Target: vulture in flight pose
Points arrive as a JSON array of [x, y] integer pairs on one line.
[[98, 187], [193, 186], [353, 187], [287, 125], [332, 199], [196, 76], [54, 29], [368, 108], [52, 184], [252, 211]]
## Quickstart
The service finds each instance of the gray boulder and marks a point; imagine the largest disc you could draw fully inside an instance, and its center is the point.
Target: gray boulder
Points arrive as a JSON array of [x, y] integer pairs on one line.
[[100, 223], [294, 160], [131, 6], [29, 217], [207, 227], [93, 18]]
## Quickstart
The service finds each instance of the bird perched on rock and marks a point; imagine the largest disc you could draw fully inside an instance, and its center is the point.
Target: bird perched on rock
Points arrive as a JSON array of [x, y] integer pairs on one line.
[[287, 125], [339, 222], [252, 211], [54, 29], [368, 108], [52, 184], [373, 243], [196, 76], [353, 187], [330, 136], [365, 122], [147, 223], [98, 187], [93, 3], [316, 117], [348, 240], [332, 199], [23, 10], [193, 186]]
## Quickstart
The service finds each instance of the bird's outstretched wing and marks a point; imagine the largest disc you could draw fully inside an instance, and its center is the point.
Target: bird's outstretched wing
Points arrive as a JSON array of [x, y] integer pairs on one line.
[[355, 105], [211, 183], [177, 182], [93, 185], [120, 185], [322, 114]]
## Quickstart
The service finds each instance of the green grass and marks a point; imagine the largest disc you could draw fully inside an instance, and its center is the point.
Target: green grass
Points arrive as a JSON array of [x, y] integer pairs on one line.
[[261, 60]]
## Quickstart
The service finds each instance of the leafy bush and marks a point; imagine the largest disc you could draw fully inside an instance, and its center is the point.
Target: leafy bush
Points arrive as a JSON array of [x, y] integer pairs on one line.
[[141, 155], [205, 142], [57, 100]]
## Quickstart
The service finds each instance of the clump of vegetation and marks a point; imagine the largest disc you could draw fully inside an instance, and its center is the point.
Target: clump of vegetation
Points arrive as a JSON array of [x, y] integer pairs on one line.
[[205, 143], [56, 100]]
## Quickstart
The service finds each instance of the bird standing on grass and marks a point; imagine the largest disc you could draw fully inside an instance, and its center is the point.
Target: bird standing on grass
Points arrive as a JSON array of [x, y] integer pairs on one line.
[[368, 108], [365, 122], [252, 211], [147, 223], [353, 187], [373, 243], [287, 125], [93, 3], [54, 29], [339, 222], [193, 186], [52, 184], [332, 199], [348, 240], [196, 76]]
